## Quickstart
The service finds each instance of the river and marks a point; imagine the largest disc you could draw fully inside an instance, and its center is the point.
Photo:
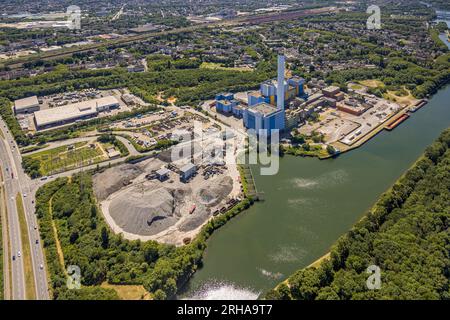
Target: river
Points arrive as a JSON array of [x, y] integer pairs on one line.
[[309, 204]]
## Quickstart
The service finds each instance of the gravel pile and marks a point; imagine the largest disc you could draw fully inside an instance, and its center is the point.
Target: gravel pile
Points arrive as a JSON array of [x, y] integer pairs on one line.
[[113, 179], [144, 212], [212, 194]]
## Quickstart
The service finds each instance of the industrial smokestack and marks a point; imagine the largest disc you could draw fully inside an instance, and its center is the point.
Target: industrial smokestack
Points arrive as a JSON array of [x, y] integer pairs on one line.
[[280, 82]]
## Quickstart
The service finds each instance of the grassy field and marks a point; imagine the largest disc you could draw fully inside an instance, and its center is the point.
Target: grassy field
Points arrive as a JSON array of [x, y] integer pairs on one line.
[[372, 83], [30, 287], [129, 292], [218, 66], [62, 158], [400, 97], [355, 86]]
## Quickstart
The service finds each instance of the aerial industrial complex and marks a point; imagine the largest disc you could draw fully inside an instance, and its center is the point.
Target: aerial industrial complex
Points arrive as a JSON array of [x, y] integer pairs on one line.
[[263, 109], [331, 116]]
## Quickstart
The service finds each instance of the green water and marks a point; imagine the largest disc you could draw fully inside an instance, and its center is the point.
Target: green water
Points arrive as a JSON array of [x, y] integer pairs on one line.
[[309, 204]]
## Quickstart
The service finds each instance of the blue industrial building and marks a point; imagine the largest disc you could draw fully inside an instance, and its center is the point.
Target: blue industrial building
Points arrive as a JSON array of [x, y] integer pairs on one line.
[[256, 97], [225, 96], [264, 116], [238, 111], [265, 111], [225, 103]]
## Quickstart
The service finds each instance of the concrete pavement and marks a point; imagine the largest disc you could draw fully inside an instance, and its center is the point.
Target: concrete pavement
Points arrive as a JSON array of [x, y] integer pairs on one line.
[[5, 242]]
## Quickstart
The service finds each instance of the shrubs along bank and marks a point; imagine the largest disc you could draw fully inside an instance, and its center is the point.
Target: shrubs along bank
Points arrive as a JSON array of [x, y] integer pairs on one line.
[[406, 234], [67, 212]]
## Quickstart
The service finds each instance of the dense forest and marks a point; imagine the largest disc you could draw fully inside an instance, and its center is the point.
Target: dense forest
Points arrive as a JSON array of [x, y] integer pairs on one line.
[[406, 234], [67, 208], [187, 81]]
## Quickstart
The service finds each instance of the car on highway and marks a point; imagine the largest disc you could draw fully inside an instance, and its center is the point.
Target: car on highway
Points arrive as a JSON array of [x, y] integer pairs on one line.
[[18, 254], [41, 266], [37, 241], [14, 258]]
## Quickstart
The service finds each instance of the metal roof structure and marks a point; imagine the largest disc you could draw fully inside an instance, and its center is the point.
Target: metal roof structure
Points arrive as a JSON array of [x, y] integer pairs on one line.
[[72, 112], [26, 103]]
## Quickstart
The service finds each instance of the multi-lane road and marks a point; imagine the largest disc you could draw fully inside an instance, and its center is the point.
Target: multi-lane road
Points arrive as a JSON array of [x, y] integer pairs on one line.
[[17, 183]]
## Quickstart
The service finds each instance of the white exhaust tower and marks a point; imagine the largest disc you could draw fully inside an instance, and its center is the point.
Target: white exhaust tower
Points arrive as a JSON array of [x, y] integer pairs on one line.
[[280, 82]]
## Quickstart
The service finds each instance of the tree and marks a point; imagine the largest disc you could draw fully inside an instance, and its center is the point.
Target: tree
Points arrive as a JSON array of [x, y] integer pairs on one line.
[[159, 295], [331, 150], [306, 147], [150, 251], [105, 237]]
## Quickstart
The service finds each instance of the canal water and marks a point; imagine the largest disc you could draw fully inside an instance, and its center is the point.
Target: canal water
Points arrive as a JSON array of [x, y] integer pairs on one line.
[[309, 204], [443, 16]]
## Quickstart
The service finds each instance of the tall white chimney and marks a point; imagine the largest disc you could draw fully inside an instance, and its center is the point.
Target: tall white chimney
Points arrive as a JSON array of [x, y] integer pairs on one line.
[[280, 82]]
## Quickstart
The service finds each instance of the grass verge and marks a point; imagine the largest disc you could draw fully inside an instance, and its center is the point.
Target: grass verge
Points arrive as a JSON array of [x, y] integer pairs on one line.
[[27, 263]]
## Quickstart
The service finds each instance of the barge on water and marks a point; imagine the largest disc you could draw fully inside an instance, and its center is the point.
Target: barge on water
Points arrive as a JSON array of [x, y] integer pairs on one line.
[[395, 123], [419, 104]]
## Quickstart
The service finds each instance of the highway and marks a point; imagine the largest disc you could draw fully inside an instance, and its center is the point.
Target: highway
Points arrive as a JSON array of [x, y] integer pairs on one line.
[[16, 264], [17, 182]]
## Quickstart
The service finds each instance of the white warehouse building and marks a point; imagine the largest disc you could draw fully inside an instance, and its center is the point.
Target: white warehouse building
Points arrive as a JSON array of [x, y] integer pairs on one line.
[[73, 112], [26, 105]]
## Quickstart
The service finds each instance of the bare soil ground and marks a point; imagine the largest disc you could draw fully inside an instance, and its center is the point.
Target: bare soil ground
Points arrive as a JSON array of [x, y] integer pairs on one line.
[[115, 178]]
